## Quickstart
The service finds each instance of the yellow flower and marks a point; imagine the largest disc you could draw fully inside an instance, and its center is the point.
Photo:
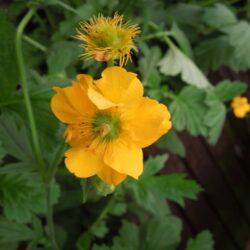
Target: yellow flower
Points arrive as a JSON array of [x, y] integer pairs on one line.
[[240, 106], [109, 122], [107, 38]]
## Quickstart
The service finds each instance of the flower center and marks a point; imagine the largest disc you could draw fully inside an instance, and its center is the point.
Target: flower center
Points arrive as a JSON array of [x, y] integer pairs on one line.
[[106, 126]]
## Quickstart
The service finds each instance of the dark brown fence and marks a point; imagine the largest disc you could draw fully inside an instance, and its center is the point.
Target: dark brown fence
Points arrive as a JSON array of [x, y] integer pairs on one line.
[[224, 173]]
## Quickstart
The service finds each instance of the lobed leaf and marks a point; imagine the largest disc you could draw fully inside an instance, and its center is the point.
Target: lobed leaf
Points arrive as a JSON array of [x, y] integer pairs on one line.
[[175, 62], [203, 241], [174, 187]]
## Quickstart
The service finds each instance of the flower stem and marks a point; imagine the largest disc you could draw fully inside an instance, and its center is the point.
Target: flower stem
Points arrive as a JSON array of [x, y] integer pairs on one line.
[[103, 214], [26, 96], [32, 124], [49, 215]]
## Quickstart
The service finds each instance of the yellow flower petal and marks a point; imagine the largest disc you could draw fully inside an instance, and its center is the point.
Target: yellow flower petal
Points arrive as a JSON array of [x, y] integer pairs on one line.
[[82, 162], [147, 122], [99, 100], [110, 176], [69, 103], [124, 158], [119, 86]]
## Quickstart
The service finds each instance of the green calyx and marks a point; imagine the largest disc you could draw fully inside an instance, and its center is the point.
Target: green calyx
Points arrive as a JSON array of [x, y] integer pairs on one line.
[[106, 126]]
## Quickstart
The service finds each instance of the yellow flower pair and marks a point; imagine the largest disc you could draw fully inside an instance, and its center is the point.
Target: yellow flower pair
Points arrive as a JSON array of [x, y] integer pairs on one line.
[[109, 121]]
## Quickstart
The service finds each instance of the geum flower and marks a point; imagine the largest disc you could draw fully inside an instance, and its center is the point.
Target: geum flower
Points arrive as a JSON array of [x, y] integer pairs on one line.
[[107, 38], [240, 106], [109, 122]]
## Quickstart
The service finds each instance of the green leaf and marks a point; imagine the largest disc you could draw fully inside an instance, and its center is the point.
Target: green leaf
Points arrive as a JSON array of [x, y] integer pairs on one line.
[[2, 152], [239, 36], [219, 16], [40, 90], [8, 70], [148, 63], [118, 209], [203, 241], [102, 247], [214, 117], [14, 137], [182, 40], [100, 230], [187, 14], [128, 238], [172, 142], [227, 90], [175, 62], [14, 232], [162, 233], [24, 195], [61, 55], [147, 198], [174, 187], [17, 168], [213, 53], [9, 246], [188, 111], [153, 165]]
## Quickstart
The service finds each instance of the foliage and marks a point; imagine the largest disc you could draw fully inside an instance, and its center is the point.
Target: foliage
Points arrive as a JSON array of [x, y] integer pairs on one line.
[[180, 44]]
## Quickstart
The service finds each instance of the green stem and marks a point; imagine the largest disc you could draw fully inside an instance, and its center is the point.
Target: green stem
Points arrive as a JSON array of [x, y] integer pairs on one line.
[[157, 35], [49, 215], [32, 124], [34, 43], [26, 96], [67, 7], [103, 214]]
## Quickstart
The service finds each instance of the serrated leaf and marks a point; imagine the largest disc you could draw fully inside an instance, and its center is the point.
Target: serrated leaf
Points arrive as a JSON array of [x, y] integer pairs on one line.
[[219, 16], [40, 93], [147, 198], [203, 241], [13, 232], [100, 230], [118, 209], [227, 90], [214, 117], [173, 143], [162, 233], [15, 138], [24, 195], [174, 187], [188, 110], [175, 62], [8, 69], [17, 168], [148, 63], [153, 165], [239, 36], [128, 238], [182, 40], [213, 53]]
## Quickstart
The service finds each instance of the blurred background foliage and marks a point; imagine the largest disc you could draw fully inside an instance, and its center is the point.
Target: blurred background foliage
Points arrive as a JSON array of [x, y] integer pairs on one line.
[[180, 44]]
